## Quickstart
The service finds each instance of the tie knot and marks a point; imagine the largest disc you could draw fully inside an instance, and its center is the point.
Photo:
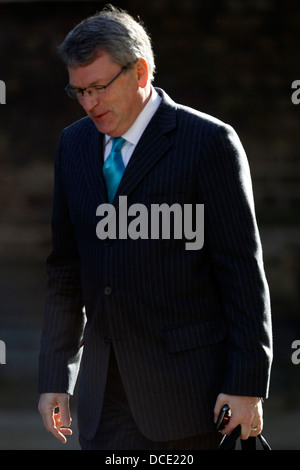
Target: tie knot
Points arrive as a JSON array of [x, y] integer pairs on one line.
[[117, 144]]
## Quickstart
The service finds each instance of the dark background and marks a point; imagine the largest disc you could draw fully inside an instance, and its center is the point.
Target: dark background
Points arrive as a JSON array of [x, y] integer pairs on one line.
[[232, 59]]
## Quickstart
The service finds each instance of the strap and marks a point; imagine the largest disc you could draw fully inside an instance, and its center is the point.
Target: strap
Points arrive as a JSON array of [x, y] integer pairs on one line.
[[264, 443], [229, 442]]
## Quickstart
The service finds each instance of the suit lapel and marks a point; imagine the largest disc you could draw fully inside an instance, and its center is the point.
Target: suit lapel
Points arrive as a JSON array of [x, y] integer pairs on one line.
[[152, 146], [92, 155]]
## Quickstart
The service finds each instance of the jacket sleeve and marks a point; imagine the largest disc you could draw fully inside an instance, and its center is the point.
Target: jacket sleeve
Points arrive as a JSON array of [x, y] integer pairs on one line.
[[233, 241], [64, 317]]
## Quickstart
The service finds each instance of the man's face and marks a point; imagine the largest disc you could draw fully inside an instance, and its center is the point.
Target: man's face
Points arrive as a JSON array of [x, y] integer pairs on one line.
[[115, 110]]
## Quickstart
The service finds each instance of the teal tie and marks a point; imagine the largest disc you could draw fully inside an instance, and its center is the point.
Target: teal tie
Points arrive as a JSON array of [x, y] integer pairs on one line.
[[114, 167]]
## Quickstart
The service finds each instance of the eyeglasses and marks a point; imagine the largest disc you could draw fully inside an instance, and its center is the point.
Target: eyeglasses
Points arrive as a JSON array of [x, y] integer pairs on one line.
[[92, 90]]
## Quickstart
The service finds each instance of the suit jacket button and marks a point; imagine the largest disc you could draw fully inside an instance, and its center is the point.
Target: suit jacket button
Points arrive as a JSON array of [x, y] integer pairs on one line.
[[106, 341], [107, 290]]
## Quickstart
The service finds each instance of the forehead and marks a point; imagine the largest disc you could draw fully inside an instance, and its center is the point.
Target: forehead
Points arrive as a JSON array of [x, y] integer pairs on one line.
[[99, 71]]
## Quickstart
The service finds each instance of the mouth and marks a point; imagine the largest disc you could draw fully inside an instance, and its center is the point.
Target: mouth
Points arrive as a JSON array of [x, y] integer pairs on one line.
[[99, 117]]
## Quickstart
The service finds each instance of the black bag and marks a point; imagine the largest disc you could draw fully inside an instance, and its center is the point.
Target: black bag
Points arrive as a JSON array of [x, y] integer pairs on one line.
[[229, 442]]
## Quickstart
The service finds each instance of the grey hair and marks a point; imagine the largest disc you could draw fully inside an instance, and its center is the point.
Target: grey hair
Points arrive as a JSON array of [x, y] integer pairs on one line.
[[112, 30]]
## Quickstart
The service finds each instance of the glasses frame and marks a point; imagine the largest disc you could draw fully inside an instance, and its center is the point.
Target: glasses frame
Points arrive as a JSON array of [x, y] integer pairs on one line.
[[73, 92]]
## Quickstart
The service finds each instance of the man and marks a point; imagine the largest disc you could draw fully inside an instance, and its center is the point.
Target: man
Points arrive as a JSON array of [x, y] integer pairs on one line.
[[172, 333]]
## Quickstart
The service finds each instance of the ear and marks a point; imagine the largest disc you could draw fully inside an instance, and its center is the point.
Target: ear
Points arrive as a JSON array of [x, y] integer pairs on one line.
[[142, 72]]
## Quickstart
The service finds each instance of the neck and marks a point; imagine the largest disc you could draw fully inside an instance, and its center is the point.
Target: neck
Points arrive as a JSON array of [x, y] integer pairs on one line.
[[145, 95]]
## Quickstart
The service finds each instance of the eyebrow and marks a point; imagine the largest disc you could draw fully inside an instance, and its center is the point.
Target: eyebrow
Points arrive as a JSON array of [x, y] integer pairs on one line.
[[96, 82]]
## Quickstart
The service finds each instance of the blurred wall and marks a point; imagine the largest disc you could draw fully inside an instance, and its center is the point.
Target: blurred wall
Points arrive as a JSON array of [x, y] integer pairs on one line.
[[232, 59]]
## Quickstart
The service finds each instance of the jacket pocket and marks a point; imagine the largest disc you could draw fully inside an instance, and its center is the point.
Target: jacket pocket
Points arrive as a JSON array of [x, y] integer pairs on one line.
[[184, 337]]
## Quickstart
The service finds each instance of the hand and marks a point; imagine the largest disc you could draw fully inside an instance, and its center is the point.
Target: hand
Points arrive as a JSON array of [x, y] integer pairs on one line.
[[246, 411], [56, 423]]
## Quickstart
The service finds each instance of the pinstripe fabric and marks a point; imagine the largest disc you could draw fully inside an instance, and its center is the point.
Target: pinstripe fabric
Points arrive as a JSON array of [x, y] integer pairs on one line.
[[118, 431], [185, 325]]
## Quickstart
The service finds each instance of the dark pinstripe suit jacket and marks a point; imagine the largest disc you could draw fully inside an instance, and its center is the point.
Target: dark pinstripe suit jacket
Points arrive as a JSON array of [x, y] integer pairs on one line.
[[185, 324]]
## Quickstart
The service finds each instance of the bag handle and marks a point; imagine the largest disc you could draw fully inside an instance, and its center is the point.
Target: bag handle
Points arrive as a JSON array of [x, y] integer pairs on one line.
[[229, 442]]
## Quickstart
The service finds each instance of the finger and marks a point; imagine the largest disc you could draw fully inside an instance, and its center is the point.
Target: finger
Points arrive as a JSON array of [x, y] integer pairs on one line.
[[59, 431], [245, 431], [252, 430], [255, 430], [64, 411], [52, 427], [256, 425], [58, 421]]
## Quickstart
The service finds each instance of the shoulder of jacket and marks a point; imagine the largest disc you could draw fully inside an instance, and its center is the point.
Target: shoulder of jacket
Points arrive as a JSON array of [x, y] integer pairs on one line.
[[187, 113], [196, 116]]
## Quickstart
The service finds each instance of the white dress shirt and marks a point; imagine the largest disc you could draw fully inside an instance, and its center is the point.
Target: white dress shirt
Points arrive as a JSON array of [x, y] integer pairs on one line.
[[133, 135]]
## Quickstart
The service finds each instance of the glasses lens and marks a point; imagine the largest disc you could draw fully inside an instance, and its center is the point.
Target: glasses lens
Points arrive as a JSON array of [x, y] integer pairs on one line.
[[71, 92]]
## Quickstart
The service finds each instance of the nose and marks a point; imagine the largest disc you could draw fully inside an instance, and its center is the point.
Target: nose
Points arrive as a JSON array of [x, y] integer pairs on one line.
[[88, 102]]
